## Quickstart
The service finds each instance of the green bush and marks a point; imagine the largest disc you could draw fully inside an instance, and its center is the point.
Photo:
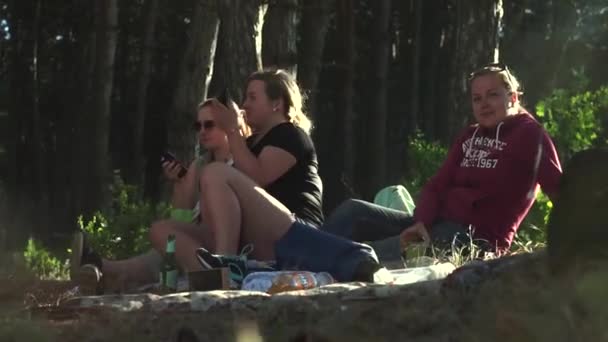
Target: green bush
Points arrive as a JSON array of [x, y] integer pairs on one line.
[[574, 121], [42, 263], [532, 232], [424, 157], [122, 231]]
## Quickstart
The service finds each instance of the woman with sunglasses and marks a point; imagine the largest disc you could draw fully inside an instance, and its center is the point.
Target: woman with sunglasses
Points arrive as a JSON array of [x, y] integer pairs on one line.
[[214, 142], [484, 188], [87, 266]]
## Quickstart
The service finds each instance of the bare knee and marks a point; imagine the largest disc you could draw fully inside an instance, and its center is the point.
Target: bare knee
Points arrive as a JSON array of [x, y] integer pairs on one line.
[[213, 174], [159, 231]]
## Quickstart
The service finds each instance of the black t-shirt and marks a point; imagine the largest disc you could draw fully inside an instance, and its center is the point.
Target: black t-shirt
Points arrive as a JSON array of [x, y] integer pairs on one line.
[[300, 189]]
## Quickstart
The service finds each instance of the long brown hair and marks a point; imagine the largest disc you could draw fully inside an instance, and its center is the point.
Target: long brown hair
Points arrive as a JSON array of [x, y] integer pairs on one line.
[[279, 84]]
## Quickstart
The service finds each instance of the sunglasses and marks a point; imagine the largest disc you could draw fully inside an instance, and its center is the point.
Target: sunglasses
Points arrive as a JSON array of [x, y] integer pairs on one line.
[[207, 125]]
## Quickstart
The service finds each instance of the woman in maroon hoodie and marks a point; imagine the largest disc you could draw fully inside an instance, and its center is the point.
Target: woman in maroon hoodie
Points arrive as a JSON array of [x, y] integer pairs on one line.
[[486, 185]]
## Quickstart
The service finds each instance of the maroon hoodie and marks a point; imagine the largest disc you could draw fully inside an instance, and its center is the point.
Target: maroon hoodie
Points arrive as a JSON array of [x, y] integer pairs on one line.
[[490, 179]]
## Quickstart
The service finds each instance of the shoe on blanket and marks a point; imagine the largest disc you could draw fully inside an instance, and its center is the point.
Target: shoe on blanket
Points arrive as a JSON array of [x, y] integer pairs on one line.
[[237, 264], [85, 266], [365, 270], [89, 280], [82, 254]]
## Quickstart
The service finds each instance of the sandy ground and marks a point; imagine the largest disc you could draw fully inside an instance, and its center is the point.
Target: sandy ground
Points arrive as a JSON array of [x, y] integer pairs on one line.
[[524, 304]]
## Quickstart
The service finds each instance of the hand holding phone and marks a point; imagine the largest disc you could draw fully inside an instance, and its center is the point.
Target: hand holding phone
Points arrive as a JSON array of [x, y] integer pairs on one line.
[[171, 164]]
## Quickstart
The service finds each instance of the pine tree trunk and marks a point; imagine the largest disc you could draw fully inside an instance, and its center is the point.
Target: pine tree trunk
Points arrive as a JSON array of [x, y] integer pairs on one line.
[[279, 35], [476, 29], [346, 64], [416, 56], [400, 84], [314, 22], [193, 80], [126, 81], [435, 66], [237, 53], [138, 121], [105, 49], [21, 176], [40, 193], [535, 34], [70, 164], [377, 162]]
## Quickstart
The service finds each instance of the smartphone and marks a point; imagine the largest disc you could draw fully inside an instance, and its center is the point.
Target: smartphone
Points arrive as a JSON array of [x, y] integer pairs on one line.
[[170, 157], [224, 97]]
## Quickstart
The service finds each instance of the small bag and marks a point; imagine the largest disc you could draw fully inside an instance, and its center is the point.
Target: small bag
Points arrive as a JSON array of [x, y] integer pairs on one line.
[[396, 197]]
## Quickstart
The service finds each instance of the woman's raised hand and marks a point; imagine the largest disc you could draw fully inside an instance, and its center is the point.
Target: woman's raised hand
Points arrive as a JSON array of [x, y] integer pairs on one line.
[[226, 118]]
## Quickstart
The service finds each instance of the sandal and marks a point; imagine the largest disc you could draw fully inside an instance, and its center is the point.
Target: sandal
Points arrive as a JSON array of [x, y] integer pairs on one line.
[[85, 266]]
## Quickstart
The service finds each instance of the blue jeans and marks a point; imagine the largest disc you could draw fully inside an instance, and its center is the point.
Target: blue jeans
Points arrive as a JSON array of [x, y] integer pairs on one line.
[[304, 247], [364, 221]]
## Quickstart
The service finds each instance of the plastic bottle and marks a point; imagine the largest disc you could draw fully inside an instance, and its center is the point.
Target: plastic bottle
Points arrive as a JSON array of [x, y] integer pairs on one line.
[[282, 281], [299, 280]]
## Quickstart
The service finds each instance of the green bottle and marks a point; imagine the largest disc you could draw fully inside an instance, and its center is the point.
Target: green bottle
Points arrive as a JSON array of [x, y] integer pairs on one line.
[[168, 267]]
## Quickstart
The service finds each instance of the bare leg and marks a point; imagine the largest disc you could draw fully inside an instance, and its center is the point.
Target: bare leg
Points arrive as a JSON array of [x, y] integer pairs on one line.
[[222, 210], [262, 219], [131, 273], [121, 275], [188, 237]]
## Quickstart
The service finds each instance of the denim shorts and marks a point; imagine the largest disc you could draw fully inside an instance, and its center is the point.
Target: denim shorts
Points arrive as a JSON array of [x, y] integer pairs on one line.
[[305, 247]]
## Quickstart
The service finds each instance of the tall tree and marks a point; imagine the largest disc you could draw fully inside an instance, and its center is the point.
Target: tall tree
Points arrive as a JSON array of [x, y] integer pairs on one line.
[[138, 121], [346, 63], [73, 84], [21, 93], [279, 35], [38, 152], [99, 123], [194, 76], [314, 23], [416, 53], [378, 122], [237, 52], [475, 32], [533, 31], [435, 66]]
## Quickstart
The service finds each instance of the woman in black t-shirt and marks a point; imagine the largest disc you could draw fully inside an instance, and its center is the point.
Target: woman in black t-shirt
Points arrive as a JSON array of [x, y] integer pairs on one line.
[[280, 157]]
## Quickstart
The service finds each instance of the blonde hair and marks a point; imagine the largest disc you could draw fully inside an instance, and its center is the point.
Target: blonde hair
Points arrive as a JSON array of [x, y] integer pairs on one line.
[[279, 84], [502, 71]]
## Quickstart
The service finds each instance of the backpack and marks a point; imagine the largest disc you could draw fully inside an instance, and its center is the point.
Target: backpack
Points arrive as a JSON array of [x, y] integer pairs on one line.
[[396, 197]]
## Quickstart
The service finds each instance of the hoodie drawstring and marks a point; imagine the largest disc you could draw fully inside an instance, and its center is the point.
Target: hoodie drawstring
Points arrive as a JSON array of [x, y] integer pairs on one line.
[[498, 132], [468, 153], [539, 153]]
